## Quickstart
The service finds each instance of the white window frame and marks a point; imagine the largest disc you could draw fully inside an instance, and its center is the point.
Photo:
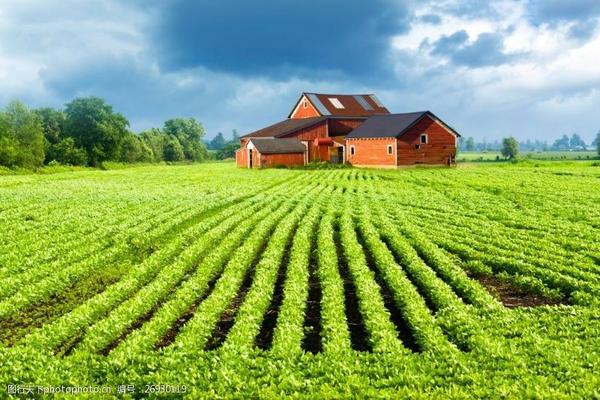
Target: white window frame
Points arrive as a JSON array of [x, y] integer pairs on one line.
[[352, 150], [390, 149], [421, 138], [336, 103]]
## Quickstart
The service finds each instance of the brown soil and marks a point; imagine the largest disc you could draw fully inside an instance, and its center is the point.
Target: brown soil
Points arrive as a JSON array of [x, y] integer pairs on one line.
[[512, 296]]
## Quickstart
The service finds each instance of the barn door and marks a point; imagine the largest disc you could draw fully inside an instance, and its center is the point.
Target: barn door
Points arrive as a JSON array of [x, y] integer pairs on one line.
[[250, 161]]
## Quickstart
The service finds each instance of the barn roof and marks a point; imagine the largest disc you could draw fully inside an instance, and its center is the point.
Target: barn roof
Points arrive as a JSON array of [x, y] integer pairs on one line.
[[392, 125], [285, 127], [278, 146], [344, 105]]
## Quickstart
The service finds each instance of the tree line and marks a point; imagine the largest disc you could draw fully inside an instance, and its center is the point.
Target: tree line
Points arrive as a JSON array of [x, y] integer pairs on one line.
[[564, 143], [223, 148], [88, 132]]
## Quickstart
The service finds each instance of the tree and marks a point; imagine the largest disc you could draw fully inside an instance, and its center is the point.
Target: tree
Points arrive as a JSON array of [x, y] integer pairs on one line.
[[134, 149], [173, 150], [21, 137], [156, 140], [561, 144], [189, 133], [53, 123], [576, 143], [228, 151], [597, 142], [65, 152], [510, 147], [8, 144], [470, 144], [218, 142], [235, 137], [96, 128]]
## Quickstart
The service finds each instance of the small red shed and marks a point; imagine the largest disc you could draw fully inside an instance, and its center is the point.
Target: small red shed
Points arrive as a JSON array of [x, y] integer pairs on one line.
[[273, 152]]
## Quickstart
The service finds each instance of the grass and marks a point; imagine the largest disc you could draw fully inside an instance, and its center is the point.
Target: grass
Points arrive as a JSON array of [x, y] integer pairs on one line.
[[486, 156]]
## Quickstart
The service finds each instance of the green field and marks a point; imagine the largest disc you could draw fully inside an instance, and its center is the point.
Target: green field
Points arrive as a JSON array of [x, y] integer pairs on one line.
[[465, 156], [476, 281]]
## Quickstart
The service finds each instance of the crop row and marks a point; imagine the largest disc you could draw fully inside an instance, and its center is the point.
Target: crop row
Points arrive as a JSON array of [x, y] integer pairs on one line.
[[203, 235]]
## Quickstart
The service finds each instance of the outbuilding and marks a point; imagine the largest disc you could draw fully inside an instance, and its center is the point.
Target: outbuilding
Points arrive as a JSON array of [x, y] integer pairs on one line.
[[274, 152], [389, 141]]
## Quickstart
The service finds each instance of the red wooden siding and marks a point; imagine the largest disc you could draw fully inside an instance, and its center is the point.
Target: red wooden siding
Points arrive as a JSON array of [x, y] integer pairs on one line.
[[440, 147], [338, 127], [274, 160], [310, 133], [308, 136], [307, 112], [241, 155], [371, 152]]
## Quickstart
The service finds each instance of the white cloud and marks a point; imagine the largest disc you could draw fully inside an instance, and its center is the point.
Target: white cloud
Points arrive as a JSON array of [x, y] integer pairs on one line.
[[549, 81]]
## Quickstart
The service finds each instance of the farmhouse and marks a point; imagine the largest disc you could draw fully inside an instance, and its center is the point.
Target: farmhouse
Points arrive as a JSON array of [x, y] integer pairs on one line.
[[354, 129]]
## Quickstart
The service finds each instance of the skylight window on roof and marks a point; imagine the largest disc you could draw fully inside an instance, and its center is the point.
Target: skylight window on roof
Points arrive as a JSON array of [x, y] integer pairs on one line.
[[364, 103], [336, 103], [376, 100]]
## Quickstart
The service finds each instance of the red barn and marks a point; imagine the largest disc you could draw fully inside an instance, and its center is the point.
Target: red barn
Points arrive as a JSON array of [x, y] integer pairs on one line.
[[355, 129]]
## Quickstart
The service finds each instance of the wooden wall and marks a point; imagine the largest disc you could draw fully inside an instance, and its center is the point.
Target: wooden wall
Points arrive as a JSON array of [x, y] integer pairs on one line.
[[310, 133], [273, 160], [371, 151], [440, 148], [301, 112], [339, 127]]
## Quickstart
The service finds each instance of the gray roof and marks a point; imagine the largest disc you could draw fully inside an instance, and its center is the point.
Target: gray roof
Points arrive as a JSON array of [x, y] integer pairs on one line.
[[285, 127], [278, 146], [391, 125]]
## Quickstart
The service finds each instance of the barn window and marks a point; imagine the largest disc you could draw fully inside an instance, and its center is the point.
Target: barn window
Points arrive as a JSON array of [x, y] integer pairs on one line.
[[352, 150], [423, 138], [389, 148], [305, 103], [336, 103]]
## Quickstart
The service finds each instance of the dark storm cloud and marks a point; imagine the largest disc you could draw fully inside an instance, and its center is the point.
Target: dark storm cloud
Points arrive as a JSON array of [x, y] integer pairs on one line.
[[278, 38], [486, 50]]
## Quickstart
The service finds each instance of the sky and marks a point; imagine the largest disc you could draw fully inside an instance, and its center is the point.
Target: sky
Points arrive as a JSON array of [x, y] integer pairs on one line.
[[528, 68]]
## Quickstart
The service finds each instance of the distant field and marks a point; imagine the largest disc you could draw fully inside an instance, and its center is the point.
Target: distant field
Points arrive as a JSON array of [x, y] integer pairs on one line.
[[476, 281], [546, 155]]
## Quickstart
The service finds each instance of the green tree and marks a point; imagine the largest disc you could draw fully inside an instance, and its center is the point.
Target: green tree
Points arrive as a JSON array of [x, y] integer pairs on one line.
[[576, 142], [134, 149], [173, 150], [597, 142], [470, 144], [21, 137], [228, 151], [561, 144], [156, 140], [8, 144], [66, 152], [510, 147], [218, 142], [95, 127], [189, 133], [53, 123], [235, 137]]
